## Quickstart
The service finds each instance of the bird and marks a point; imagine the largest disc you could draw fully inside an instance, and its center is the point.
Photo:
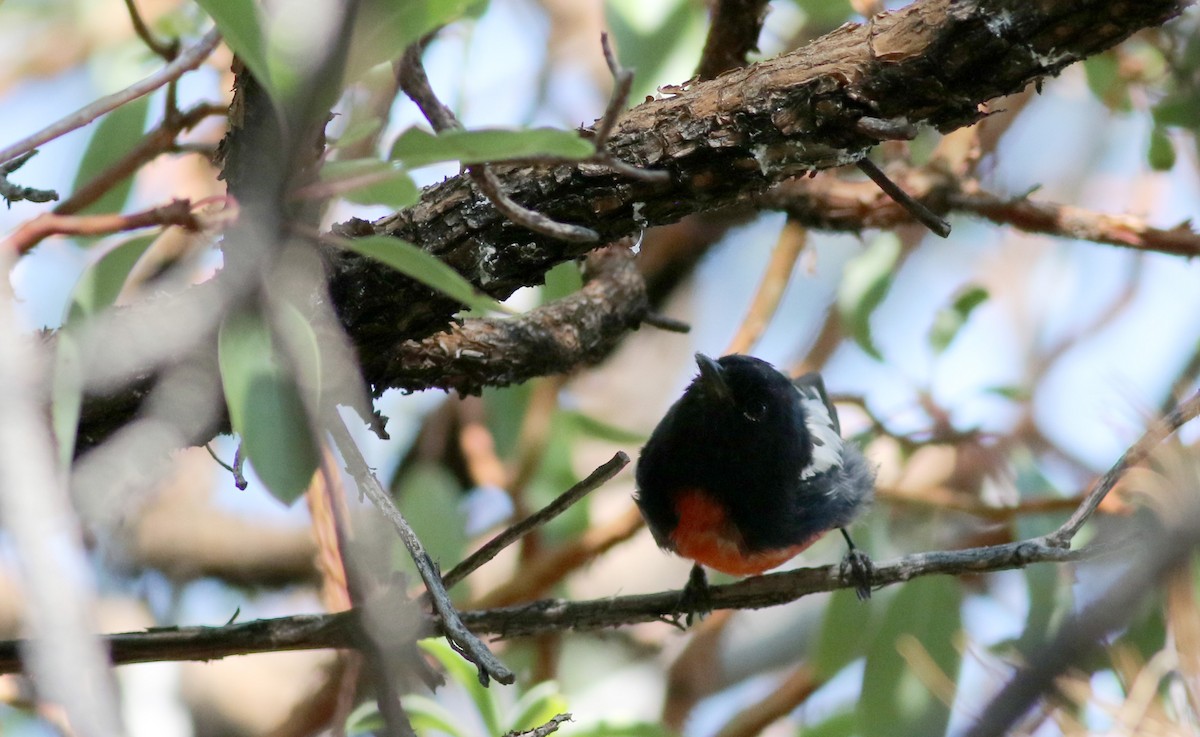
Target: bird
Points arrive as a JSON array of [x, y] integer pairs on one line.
[[746, 470]]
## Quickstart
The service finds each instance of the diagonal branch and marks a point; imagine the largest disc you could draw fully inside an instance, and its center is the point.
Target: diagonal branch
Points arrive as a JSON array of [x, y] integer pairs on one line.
[[188, 60]]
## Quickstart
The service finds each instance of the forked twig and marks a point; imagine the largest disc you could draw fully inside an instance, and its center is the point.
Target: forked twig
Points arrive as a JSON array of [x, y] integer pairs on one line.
[[459, 637]]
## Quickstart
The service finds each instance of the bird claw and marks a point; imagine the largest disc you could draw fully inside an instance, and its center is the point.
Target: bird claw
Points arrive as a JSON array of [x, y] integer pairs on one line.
[[695, 601], [858, 568]]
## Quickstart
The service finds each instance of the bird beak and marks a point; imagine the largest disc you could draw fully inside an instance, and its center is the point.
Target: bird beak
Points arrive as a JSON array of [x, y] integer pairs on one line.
[[713, 377]]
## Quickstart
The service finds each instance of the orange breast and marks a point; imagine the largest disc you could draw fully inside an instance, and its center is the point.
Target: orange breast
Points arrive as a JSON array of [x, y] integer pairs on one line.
[[707, 535]]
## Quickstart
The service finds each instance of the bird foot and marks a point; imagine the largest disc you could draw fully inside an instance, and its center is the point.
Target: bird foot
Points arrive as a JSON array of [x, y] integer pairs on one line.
[[695, 601], [858, 568]]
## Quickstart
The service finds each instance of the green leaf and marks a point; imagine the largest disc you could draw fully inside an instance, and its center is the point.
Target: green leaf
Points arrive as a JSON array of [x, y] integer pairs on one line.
[[1179, 108], [537, 706], [1161, 153], [371, 182], [601, 430], [617, 729], [428, 497], [356, 131], [425, 268], [417, 148], [383, 29], [464, 674], [102, 282], [265, 407], [428, 716], [865, 282], [838, 725], [66, 395], [949, 320], [241, 27], [115, 136], [922, 622], [1013, 393], [842, 634], [1103, 74], [653, 38]]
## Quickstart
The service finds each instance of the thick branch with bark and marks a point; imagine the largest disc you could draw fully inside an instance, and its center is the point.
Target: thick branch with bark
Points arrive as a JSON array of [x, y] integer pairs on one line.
[[724, 142], [933, 63]]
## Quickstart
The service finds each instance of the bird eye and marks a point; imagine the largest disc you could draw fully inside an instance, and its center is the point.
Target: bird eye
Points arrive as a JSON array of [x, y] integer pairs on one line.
[[755, 411]]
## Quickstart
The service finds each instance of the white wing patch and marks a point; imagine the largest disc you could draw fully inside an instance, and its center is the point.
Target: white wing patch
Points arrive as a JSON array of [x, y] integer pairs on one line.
[[827, 444]]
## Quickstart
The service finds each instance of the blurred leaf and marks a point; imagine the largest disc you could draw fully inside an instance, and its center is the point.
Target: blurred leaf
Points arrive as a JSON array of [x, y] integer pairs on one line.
[[1161, 153], [838, 725], [555, 475], [425, 268], [925, 613], [116, 135], [428, 716], [646, 36], [865, 282], [1104, 78], [464, 674], [561, 281], [372, 182], [417, 148], [1179, 108], [265, 407], [843, 634], [241, 28], [537, 706], [616, 729], [1015, 393], [428, 495], [364, 719], [383, 29], [822, 16], [66, 395], [949, 320], [356, 131], [600, 430], [505, 411], [103, 281]]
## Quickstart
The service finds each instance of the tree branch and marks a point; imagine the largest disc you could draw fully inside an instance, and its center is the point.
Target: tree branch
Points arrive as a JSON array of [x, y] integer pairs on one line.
[[188, 60], [341, 630], [934, 63]]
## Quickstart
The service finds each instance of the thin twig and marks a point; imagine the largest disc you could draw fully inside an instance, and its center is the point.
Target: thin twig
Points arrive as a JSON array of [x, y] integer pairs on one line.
[[489, 185], [566, 500], [622, 82], [188, 60], [457, 634], [1178, 417], [16, 193], [168, 51], [387, 687], [664, 322], [549, 727], [179, 212], [919, 211], [618, 101], [158, 141], [415, 84]]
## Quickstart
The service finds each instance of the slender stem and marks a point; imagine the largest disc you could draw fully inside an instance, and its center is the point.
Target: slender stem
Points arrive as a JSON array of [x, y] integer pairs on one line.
[[457, 634], [188, 60], [514, 533]]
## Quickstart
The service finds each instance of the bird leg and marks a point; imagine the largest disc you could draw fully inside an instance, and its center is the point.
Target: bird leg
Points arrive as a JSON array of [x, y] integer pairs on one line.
[[857, 567], [695, 601]]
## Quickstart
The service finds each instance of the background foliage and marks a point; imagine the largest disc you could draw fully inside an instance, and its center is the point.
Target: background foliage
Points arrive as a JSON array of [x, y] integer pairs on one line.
[[991, 376]]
